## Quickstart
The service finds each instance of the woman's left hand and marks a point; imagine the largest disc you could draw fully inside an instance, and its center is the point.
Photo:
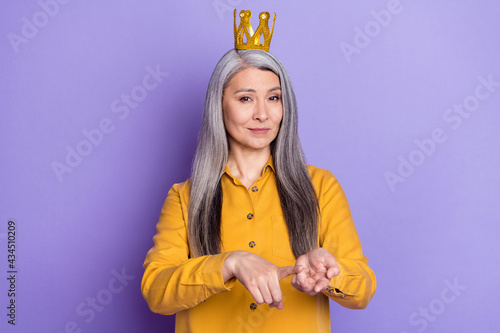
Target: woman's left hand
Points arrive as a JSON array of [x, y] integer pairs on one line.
[[314, 271]]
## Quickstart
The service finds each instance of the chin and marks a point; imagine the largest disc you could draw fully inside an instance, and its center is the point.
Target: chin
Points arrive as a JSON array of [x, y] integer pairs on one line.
[[257, 146]]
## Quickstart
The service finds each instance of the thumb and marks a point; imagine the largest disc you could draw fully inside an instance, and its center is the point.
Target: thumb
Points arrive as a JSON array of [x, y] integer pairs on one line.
[[285, 271], [332, 272]]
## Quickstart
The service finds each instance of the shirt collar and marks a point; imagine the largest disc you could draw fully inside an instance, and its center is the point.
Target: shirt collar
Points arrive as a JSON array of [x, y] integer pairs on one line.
[[269, 164]]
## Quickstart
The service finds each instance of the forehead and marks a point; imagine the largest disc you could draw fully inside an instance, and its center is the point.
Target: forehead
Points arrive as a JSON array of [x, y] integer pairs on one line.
[[255, 78]]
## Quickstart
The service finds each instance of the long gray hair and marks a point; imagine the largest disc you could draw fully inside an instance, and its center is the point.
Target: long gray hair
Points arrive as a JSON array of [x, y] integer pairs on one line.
[[297, 195]]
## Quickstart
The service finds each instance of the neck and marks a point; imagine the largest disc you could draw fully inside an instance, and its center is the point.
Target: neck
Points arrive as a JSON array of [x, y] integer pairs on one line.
[[247, 166]]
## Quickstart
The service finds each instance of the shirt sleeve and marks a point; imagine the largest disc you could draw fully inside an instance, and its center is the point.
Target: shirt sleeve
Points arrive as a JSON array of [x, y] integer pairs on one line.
[[355, 285], [172, 281]]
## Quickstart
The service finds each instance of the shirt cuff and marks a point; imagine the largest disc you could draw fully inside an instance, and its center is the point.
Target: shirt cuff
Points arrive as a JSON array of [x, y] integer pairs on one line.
[[340, 285], [212, 275]]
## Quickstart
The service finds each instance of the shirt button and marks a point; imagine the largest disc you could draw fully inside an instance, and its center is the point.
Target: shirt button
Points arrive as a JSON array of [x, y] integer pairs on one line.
[[250, 216], [253, 306], [255, 189], [251, 244]]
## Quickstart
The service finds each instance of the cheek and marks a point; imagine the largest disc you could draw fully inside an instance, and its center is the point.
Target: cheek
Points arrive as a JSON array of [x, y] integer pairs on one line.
[[227, 115], [231, 121], [235, 118], [278, 116]]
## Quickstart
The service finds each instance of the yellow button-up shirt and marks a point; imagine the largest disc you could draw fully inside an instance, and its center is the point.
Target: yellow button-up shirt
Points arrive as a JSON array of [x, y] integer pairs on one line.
[[252, 220]]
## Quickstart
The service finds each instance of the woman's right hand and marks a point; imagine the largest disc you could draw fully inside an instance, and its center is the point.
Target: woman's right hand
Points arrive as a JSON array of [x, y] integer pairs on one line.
[[259, 276]]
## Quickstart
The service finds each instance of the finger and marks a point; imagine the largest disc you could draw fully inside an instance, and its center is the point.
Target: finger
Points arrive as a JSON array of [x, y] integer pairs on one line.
[[314, 287], [311, 292], [285, 271], [321, 285], [276, 294], [266, 293], [303, 260], [295, 284], [256, 294], [278, 306], [298, 268], [329, 260], [305, 284], [302, 276], [318, 275], [333, 271]]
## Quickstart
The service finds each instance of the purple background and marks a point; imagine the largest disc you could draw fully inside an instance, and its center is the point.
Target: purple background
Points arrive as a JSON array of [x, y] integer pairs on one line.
[[359, 112]]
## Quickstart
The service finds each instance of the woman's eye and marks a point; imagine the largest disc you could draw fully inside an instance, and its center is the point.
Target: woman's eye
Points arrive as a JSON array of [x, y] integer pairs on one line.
[[245, 99], [274, 98]]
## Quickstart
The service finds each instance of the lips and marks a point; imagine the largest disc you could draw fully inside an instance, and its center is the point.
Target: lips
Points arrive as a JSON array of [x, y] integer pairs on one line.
[[259, 130]]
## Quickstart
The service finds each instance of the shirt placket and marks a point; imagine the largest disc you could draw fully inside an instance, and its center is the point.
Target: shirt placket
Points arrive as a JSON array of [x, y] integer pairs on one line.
[[254, 241]]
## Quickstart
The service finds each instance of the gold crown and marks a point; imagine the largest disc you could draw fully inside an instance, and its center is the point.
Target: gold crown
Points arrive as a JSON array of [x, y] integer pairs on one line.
[[252, 39]]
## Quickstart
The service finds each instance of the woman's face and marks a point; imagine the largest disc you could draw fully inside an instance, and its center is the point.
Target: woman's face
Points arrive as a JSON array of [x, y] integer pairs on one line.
[[252, 109]]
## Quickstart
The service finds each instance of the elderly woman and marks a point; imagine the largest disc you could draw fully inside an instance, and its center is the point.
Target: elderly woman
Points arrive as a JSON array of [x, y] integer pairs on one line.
[[255, 240]]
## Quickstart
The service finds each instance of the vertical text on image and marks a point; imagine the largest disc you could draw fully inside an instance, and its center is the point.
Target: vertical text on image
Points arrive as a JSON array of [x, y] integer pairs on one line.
[[12, 271]]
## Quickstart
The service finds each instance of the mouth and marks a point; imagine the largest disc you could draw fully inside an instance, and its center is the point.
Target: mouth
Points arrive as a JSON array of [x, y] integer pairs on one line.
[[259, 130]]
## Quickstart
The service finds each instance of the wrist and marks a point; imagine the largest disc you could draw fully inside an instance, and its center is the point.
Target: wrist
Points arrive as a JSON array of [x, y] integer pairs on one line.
[[228, 268]]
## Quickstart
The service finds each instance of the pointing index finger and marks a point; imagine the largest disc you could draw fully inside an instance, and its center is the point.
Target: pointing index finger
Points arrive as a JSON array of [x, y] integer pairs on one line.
[[285, 271]]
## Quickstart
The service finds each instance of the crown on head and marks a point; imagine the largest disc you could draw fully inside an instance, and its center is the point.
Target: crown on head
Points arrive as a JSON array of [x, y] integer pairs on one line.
[[252, 39]]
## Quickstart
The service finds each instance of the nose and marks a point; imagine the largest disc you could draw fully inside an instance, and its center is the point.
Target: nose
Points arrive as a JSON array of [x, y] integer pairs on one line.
[[260, 111]]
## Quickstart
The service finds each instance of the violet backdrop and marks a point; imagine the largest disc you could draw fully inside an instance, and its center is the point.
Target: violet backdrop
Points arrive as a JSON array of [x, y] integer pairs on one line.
[[101, 102]]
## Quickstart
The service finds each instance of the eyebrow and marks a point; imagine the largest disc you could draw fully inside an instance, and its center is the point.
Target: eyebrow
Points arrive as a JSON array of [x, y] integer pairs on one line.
[[253, 90]]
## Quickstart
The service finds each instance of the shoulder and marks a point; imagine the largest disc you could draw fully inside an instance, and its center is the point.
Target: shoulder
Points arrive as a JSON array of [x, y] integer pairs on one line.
[[319, 175], [181, 190], [177, 200], [323, 181]]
